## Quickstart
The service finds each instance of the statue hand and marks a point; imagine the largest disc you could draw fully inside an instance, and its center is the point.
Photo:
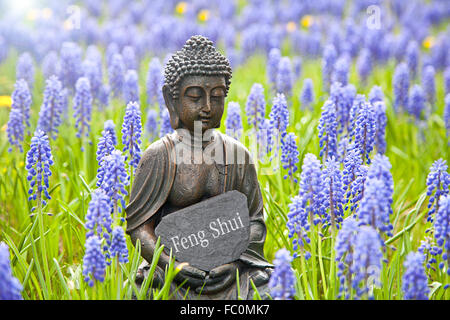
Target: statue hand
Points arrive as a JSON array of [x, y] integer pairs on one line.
[[194, 277], [223, 276]]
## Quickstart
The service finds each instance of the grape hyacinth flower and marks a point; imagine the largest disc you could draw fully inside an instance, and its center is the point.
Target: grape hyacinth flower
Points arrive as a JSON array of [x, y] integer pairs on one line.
[[285, 79], [233, 123], [25, 69], [345, 243], [328, 130], [341, 70], [375, 207], [343, 98], [50, 65], [311, 188], [105, 146], [94, 262], [115, 179], [131, 87], [131, 133], [166, 127], [365, 130], [52, 108], [110, 128], [380, 168], [352, 162], [381, 122], [333, 193], [272, 66], [82, 106], [415, 281], [307, 95], [71, 64], [367, 259], [289, 154], [430, 251], [15, 129], [118, 246], [92, 70], [129, 58], [429, 85], [447, 80], [116, 74], [298, 226], [416, 102], [297, 63], [255, 107], [103, 96], [442, 231], [151, 125], [39, 160], [155, 82], [401, 86], [357, 188], [447, 115], [412, 57], [364, 64], [376, 95], [98, 217], [265, 140], [357, 104], [10, 287], [282, 280], [21, 99], [438, 182], [328, 61], [279, 119]]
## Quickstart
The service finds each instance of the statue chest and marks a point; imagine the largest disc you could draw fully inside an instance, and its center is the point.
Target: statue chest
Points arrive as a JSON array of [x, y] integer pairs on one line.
[[194, 183]]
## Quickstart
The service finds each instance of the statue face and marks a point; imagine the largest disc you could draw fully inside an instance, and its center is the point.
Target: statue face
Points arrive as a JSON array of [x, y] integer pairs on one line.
[[201, 98]]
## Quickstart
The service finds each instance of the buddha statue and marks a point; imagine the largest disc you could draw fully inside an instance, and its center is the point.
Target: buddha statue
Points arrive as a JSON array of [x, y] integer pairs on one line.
[[197, 80]]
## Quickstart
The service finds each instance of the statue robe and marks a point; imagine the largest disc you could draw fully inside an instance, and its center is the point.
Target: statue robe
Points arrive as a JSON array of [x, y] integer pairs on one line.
[[153, 181]]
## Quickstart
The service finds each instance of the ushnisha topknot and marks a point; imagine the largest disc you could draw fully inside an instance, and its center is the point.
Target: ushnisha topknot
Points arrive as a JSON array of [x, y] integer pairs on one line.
[[197, 57]]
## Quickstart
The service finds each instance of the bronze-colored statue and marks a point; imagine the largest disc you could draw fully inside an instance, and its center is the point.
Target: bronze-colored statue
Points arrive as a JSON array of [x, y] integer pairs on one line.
[[197, 80]]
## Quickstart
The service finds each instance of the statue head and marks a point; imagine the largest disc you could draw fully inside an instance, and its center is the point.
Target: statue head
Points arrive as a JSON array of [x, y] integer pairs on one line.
[[197, 80]]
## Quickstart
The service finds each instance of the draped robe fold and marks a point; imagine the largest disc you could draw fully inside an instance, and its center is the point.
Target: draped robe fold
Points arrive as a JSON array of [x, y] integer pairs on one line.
[[154, 179]]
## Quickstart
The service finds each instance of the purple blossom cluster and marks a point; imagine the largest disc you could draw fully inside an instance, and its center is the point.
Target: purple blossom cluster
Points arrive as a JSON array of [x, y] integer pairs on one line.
[[131, 133], [282, 280], [10, 287]]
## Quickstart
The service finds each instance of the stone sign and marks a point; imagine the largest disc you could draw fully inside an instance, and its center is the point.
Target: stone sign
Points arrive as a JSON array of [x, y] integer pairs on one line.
[[209, 233]]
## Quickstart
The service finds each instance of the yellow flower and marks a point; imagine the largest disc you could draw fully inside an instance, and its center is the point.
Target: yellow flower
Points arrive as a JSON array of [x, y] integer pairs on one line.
[[4, 127], [307, 21], [291, 26], [203, 15], [428, 42], [5, 101], [4, 170], [181, 7], [33, 14], [21, 164], [67, 25], [47, 13]]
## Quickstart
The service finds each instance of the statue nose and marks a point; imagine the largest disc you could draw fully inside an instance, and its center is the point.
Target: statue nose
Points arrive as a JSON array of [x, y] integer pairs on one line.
[[207, 105]]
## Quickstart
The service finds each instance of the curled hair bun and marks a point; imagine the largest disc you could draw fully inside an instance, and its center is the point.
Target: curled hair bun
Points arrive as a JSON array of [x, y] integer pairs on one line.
[[197, 57]]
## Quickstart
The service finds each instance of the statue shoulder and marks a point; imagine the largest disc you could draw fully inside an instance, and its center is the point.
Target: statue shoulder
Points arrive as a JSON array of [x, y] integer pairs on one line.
[[157, 150]]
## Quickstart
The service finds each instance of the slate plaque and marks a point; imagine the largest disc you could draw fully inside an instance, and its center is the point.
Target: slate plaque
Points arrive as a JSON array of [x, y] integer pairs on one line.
[[209, 233]]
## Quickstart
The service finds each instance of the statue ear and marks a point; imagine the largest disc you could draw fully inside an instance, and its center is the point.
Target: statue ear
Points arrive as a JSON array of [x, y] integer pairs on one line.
[[170, 103]]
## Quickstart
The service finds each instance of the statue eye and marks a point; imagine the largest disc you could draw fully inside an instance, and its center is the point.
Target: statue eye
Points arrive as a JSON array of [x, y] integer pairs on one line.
[[193, 93]]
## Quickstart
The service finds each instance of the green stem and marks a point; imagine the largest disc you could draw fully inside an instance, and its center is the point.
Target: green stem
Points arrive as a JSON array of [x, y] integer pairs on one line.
[[304, 276], [42, 243], [322, 272]]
